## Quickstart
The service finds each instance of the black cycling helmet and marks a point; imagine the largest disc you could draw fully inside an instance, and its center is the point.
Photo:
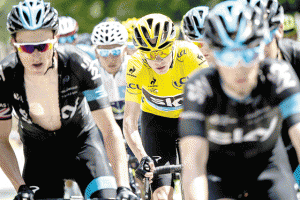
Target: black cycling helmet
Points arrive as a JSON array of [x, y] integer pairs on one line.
[[233, 24], [32, 15]]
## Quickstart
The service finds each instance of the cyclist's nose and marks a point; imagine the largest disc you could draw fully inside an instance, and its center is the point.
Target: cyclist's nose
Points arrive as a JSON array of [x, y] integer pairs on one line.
[[36, 53]]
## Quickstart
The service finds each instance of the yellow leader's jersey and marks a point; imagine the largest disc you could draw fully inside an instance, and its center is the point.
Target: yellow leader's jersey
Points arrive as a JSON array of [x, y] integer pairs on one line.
[[162, 94]]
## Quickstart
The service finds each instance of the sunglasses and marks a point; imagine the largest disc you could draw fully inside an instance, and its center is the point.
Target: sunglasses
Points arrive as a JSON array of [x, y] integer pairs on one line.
[[152, 55], [231, 58], [115, 52], [30, 47], [68, 39]]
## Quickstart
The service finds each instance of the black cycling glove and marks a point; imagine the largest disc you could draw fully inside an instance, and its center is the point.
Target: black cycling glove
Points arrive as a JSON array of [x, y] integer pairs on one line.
[[24, 193], [143, 167], [124, 193]]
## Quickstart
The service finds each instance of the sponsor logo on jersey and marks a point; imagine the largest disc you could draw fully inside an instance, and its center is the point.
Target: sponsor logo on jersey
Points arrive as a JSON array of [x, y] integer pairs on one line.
[[153, 83], [1, 74], [25, 116], [5, 113], [238, 135], [3, 105], [93, 69], [133, 86], [18, 97], [199, 90], [180, 54], [68, 111], [222, 120], [201, 58], [179, 83], [280, 75], [167, 103], [69, 91], [66, 79], [131, 71]]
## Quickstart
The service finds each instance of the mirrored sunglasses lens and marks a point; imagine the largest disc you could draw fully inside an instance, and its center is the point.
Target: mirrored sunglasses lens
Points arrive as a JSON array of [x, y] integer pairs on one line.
[[103, 53], [116, 52], [27, 48], [227, 58], [42, 47], [62, 40]]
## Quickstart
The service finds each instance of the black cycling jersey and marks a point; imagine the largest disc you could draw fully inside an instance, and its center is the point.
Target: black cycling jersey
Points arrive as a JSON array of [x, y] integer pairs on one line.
[[244, 135], [75, 150], [77, 79], [290, 50]]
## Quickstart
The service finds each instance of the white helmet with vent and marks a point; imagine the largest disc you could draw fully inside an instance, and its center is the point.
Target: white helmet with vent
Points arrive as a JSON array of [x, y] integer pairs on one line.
[[67, 26], [107, 33]]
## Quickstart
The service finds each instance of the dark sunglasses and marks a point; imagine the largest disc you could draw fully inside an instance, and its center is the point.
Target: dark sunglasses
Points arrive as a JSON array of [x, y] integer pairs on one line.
[[30, 47]]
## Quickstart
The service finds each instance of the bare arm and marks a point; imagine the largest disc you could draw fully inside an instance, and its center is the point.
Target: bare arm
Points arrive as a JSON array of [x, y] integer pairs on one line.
[[194, 153], [8, 159], [294, 133], [130, 129], [114, 144]]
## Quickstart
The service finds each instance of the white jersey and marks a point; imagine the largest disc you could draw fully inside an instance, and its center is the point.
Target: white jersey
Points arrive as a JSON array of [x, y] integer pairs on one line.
[[115, 87]]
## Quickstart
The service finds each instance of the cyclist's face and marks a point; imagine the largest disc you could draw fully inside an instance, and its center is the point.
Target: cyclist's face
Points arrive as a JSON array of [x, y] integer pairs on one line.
[[271, 49], [161, 65], [239, 80], [37, 62], [111, 63]]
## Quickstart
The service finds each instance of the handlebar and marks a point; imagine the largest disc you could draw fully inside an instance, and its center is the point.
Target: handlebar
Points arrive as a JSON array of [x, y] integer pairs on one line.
[[168, 169]]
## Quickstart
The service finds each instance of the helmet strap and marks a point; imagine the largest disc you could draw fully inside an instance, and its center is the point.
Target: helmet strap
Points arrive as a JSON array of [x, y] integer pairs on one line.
[[53, 63]]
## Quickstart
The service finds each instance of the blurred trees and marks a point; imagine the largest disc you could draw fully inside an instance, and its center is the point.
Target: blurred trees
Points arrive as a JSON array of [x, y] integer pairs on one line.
[[89, 13]]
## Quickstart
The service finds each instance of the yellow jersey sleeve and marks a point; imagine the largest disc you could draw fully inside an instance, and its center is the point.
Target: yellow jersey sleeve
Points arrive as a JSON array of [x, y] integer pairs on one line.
[[134, 80], [196, 59]]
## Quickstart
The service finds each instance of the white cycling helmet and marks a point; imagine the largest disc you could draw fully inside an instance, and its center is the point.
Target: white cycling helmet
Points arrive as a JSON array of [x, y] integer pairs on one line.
[[67, 26], [107, 33]]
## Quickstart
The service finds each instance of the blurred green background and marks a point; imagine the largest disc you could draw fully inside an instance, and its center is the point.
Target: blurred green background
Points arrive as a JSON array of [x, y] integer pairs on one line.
[[88, 13]]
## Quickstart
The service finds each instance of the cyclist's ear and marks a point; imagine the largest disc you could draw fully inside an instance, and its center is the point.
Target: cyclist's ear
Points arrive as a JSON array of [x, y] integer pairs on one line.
[[280, 32], [125, 50], [12, 41]]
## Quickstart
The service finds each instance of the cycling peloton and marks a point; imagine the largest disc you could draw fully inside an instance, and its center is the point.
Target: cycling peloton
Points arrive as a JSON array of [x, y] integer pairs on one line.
[[155, 77], [231, 139], [129, 25], [193, 30], [60, 101], [68, 34], [110, 42], [280, 48]]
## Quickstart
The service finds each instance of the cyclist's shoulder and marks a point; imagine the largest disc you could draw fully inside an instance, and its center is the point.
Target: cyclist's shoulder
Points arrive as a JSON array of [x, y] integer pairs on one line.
[[210, 73], [72, 53], [289, 48], [73, 57], [8, 64], [275, 67], [186, 52], [137, 63], [186, 48], [288, 43]]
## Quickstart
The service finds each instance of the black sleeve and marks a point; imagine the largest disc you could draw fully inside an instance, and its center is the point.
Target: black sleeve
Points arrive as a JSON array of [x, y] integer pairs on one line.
[[290, 50], [284, 89], [6, 94], [197, 92], [90, 80]]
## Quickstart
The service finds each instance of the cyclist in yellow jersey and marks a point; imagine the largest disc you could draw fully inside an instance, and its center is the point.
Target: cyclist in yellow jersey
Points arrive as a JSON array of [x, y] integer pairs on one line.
[[155, 77]]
